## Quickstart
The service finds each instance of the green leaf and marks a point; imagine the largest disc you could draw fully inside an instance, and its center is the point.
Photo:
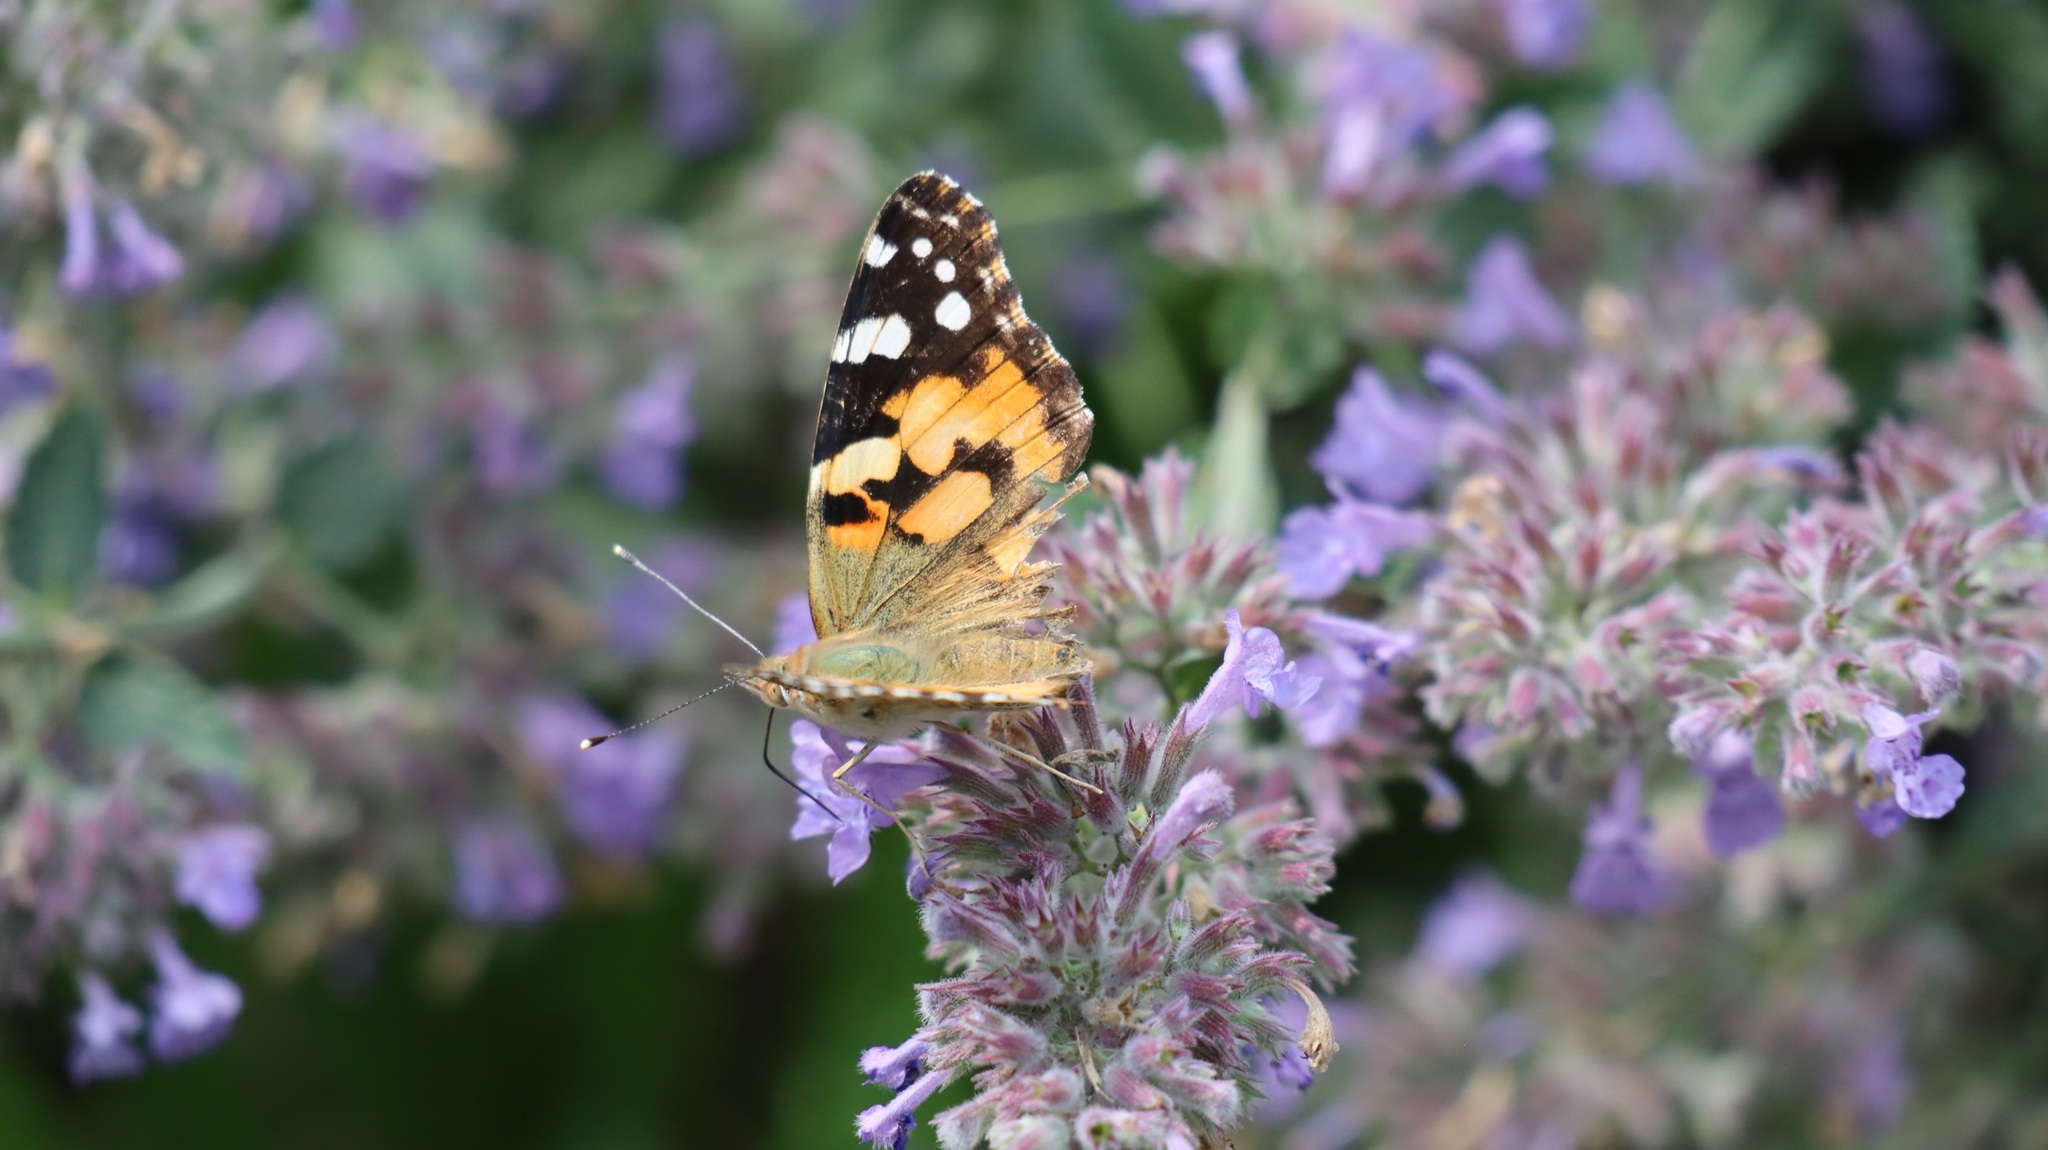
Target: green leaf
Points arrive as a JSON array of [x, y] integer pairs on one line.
[[53, 536], [1752, 65], [341, 503], [129, 704]]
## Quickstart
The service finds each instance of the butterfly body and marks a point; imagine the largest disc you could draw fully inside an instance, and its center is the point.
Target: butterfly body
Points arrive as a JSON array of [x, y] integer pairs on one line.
[[947, 419]]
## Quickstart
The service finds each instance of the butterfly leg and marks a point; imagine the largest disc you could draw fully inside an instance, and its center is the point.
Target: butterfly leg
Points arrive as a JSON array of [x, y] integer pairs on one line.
[[839, 780], [1031, 760]]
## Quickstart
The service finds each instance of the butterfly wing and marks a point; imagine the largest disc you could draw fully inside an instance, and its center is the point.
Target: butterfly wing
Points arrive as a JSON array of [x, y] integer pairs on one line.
[[946, 413]]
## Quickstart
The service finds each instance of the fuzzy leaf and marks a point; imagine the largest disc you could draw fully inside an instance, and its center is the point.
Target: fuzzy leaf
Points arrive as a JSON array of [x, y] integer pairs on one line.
[[53, 536]]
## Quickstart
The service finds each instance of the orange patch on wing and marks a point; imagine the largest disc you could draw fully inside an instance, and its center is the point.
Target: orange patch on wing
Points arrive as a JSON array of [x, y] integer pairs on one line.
[[865, 535], [940, 412], [948, 508], [1010, 549]]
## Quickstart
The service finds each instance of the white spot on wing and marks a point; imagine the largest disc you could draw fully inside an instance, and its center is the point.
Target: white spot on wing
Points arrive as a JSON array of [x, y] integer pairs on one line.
[[893, 338], [920, 247], [953, 312], [839, 346], [880, 252], [944, 270]]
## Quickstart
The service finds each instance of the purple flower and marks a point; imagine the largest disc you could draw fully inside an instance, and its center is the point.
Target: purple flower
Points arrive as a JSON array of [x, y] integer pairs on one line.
[[2034, 520], [1928, 787], [1460, 381], [1382, 96], [1213, 57], [513, 457], [191, 1009], [286, 342], [1507, 153], [504, 872], [1203, 801], [895, 1067], [1902, 71], [335, 20], [21, 383], [385, 167], [890, 1123], [1638, 141], [641, 614], [103, 1033], [1894, 738], [1742, 811], [698, 95], [1321, 548], [79, 275], [794, 626], [138, 260], [1505, 305], [139, 544], [888, 774], [1616, 874], [1473, 926], [1545, 33], [1352, 666], [1880, 1081], [650, 425], [1252, 674], [1880, 815], [217, 872], [614, 795], [1381, 447]]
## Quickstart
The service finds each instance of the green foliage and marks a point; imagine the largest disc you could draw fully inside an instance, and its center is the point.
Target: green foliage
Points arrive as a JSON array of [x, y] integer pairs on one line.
[[53, 534]]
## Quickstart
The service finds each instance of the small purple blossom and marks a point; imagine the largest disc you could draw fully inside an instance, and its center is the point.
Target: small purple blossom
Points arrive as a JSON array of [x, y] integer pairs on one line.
[[885, 776], [1321, 548], [103, 1033], [138, 259], [217, 868], [650, 425], [1903, 73], [1505, 305], [1460, 381], [1617, 874], [1381, 97], [79, 275], [513, 456], [888, 1125], [143, 259], [504, 872], [615, 795], [335, 20], [1545, 33], [794, 626], [1473, 926], [1894, 738], [1928, 787], [895, 1067], [191, 1009], [698, 95], [1639, 141], [1508, 153], [1213, 57], [286, 342], [1252, 675], [1351, 664], [21, 382], [1742, 811], [1382, 447], [385, 167], [1880, 815]]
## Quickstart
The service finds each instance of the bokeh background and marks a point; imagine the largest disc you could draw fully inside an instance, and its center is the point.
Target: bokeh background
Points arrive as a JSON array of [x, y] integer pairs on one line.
[[495, 220]]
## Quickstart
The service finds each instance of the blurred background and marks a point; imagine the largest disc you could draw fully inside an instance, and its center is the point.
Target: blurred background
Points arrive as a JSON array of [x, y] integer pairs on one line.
[[445, 297]]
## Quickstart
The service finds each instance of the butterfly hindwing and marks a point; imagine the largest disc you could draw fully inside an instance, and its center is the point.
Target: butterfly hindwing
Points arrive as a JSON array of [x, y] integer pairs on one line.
[[946, 412]]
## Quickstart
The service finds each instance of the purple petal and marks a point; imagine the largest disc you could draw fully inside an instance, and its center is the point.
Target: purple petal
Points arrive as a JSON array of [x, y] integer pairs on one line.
[[1929, 787], [1505, 305], [1638, 141]]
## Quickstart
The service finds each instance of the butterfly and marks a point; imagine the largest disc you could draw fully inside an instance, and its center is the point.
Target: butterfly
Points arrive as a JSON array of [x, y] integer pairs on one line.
[[946, 422]]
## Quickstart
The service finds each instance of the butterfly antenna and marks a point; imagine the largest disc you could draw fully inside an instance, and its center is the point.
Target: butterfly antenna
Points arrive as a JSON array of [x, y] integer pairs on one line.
[[629, 557], [768, 736], [600, 740]]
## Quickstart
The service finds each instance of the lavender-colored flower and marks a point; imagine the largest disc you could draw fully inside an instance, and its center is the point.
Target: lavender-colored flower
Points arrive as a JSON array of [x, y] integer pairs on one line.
[[698, 96], [217, 868], [1382, 96], [1638, 141], [138, 259], [504, 872], [335, 20], [2034, 520], [895, 1067], [1382, 448], [1928, 787], [1742, 811], [191, 1009], [1880, 815], [21, 383], [1473, 926], [79, 275], [650, 425], [1351, 664], [385, 167], [103, 1033], [1545, 33], [1617, 874], [1507, 153], [1903, 73], [513, 457], [1321, 548], [1252, 675], [615, 795], [1505, 305], [889, 1124], [794, 626], [885, 776], [1213, 57], [1460, 381], [286, 342], [139, 544], [1894, 739]]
